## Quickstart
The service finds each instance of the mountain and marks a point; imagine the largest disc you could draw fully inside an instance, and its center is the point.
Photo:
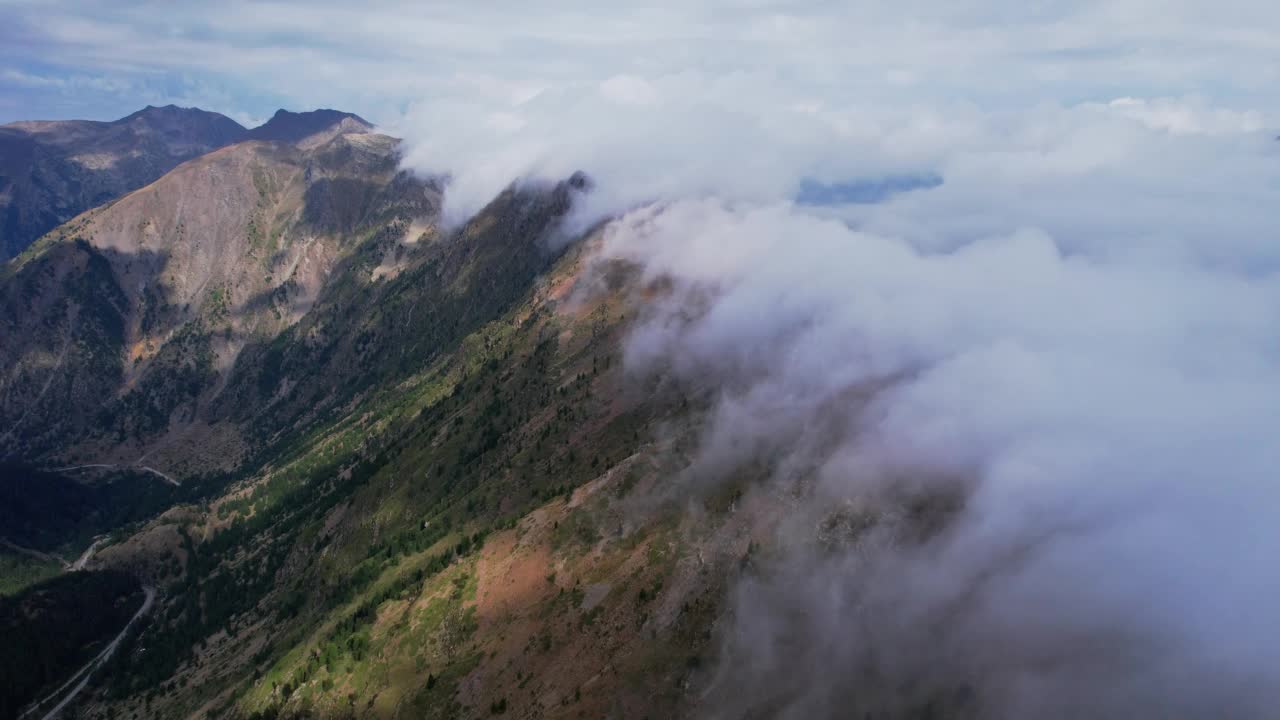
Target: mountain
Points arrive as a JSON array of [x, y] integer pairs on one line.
[[395, 468], [312, 127], [127, 322], [51, 171]]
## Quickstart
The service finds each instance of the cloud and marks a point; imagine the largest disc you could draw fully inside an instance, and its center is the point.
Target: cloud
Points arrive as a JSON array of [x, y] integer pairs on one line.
[[70, 84], [1188, 118], [23, 79], [629, 90], [705, 135], [382, 56], [1023, 421]]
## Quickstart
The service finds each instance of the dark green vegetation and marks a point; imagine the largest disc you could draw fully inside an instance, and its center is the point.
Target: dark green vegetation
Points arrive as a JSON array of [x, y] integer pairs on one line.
[[20, 569], [53, 628]]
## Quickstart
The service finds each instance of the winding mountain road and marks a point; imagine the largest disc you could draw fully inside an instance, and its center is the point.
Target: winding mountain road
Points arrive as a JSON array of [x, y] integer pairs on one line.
[[84, 673], [69, 690]]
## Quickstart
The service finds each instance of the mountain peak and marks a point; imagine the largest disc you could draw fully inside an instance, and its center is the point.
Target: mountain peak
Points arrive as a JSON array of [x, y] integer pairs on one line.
[[180, 124], [287, 126], [54, 170], [173, 112]]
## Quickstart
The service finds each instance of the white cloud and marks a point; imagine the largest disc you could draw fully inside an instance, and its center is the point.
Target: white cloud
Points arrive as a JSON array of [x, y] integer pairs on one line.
[[17, 77], [1075, 332], [1190, 117], [1109, 418], [629, 90], [385, 54]]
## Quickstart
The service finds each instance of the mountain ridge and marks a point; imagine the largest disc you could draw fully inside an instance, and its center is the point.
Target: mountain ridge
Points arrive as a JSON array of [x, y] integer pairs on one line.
[[313, 126], [241, 240], [52, 170], [374, 419]]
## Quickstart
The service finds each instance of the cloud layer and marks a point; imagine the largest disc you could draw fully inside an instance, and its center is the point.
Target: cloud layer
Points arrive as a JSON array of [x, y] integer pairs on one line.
[[1024, 422], [380, 57]]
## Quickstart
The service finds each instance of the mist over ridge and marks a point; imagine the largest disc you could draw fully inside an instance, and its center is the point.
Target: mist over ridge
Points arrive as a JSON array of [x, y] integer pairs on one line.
[[1062, 332]]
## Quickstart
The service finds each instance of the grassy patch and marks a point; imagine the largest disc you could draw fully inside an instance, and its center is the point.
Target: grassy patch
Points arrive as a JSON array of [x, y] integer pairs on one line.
[[18, 571]]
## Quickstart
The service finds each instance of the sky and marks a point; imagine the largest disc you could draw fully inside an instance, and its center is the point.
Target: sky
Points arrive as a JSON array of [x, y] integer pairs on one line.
[[101, 60], [754, 98], [1039, 239]]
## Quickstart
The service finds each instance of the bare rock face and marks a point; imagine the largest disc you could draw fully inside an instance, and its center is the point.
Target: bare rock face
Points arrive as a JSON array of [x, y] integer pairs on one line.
[[51, 171]]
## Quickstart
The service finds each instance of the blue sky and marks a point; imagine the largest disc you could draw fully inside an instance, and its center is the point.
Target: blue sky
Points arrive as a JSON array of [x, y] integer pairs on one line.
[[101, 60]]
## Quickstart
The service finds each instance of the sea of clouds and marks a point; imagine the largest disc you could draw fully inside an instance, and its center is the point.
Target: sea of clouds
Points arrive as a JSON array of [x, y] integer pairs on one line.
[[1072, 342]]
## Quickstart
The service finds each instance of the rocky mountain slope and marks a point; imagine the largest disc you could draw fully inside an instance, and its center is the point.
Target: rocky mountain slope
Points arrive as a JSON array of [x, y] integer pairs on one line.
[[51, 171], [129, 320], [416, 479], [368, 413], [472, 533]]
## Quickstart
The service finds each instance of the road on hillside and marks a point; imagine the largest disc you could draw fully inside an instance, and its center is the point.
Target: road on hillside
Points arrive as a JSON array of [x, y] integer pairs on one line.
[[84, 673], [146, 468], [88, 553]]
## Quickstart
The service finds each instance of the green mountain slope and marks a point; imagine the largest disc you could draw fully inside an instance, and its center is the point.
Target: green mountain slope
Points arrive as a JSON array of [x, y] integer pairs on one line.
[[453, 544], [414, 479]]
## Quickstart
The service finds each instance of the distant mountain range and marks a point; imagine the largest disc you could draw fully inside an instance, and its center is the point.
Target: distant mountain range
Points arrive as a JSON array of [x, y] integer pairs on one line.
[[145, 303], [51, 171]]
